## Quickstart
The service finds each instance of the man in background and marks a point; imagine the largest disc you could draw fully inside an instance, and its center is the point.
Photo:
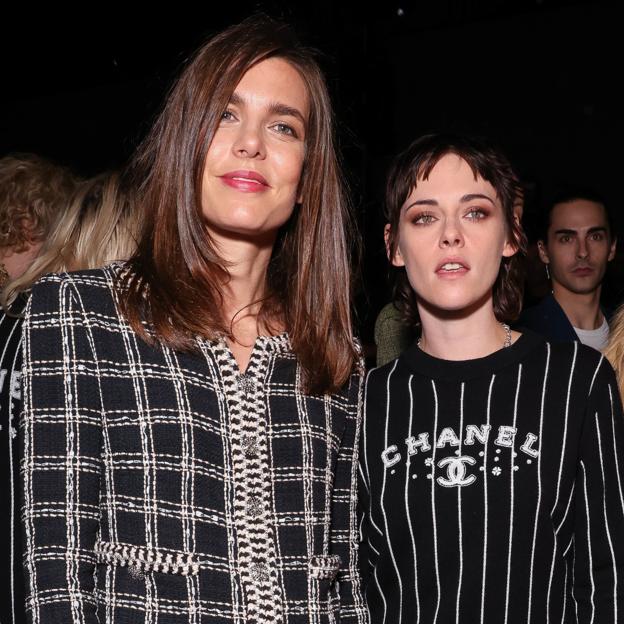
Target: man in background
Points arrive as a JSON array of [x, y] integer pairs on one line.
[[576, 244]]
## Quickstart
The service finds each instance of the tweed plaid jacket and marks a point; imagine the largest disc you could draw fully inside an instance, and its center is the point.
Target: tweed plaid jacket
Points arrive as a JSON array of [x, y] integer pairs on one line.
[[166, 487]]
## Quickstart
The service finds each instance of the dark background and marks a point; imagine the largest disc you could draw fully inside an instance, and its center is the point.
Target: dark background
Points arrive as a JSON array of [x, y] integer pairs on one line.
[[541, 77]]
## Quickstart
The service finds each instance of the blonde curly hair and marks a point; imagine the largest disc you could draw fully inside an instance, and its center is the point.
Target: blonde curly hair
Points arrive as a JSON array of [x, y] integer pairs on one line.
[[100, 225], [614, 351], [32, 193]]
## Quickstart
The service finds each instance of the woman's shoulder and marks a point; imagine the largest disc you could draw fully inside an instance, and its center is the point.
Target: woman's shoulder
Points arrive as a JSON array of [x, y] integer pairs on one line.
[[87, 291]]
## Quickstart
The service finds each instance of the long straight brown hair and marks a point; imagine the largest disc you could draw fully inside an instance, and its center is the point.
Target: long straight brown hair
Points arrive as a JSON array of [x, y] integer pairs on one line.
[[174, 282]]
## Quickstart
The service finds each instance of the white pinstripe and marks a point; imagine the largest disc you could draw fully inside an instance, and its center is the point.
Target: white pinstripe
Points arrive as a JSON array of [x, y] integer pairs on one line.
[[589, 550], [459, 511], [433, 511], [381, 502], [485, 504], [563, 452], [11, 424], [606, 520], [408, 515], [539, 482], [511, 509]]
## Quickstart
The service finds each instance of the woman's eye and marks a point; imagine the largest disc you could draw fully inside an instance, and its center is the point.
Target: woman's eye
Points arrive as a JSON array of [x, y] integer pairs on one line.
[[476, 214], [227, 115], [283, 128], [423, 219]]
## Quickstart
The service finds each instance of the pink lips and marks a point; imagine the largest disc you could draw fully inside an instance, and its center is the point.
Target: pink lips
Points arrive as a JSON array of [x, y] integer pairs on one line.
[[451, 268], [245, 181]]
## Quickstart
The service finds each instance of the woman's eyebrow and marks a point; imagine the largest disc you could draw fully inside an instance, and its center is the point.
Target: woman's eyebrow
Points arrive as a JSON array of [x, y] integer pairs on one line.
[[472, 196], [278, 108], [422, 202], [274, 108]]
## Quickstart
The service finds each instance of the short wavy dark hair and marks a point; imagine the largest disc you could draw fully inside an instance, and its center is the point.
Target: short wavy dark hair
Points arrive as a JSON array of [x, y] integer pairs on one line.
[[569, 193], [487, 161]]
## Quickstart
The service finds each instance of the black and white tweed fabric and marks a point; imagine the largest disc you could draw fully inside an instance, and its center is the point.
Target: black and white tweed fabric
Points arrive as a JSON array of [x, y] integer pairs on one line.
[[166, 487]]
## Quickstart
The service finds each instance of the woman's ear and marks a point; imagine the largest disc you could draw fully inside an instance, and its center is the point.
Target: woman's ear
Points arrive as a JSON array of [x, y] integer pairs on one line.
[[511, 246], [396, 259]]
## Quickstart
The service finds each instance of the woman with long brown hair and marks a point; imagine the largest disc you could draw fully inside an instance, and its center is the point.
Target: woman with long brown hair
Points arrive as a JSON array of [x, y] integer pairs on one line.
[[191, 416]]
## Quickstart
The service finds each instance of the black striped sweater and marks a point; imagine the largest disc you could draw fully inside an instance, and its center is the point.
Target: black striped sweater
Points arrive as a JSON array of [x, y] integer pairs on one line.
[[12, 593], [492, 488]]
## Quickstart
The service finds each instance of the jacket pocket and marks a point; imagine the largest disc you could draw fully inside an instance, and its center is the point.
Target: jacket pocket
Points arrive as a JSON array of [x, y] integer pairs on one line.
[[323, 570], [324, 566], [141, 560]]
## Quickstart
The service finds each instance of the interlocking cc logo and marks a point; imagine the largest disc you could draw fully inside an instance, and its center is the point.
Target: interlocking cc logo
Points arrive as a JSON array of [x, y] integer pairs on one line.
[[456, 471]]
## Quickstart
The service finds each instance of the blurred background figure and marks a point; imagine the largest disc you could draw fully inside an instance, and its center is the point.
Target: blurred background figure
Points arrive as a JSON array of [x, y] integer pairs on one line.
[[576, 243], [615, 349], [96, 226], [99, 227], [33, 194], [393, 334]]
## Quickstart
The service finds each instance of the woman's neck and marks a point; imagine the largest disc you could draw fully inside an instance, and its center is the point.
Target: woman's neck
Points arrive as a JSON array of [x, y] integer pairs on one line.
[[464, 335], [247, 262]]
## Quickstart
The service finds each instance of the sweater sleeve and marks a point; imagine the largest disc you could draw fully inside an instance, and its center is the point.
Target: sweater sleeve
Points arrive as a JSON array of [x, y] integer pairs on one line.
[[598, 548], [61, 455], [344, 511], [364, 502]]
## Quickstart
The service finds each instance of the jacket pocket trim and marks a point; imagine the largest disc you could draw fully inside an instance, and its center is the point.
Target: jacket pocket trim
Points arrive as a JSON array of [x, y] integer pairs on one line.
[[142, 559], [324, 566]]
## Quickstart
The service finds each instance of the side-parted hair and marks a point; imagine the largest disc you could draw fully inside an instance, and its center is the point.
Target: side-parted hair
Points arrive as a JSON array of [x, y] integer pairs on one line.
[[569, 194], [100, 225], [415, 164], [175, 280], [33, 191]]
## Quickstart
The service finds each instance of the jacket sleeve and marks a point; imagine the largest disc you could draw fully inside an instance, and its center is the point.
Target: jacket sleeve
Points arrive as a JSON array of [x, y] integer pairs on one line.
[[598, 547], [344, 511], [61, 462]]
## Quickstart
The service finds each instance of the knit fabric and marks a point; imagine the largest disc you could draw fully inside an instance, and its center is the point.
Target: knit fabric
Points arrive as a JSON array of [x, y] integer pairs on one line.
[[167, 487], [492, 488]]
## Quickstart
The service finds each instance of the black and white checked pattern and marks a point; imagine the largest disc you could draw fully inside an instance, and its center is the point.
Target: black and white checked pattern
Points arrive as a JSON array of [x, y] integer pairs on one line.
[[163, 486]]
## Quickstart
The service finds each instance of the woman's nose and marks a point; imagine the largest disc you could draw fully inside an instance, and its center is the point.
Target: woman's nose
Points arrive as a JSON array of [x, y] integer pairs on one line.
[[451, 235], [249, 142]]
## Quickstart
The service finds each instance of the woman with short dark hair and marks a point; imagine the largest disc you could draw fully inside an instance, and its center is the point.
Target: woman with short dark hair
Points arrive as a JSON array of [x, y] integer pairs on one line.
[[192, 415], [491, 461]]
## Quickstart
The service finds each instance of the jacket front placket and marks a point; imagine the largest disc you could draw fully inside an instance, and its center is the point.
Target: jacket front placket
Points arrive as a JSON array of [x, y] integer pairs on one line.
[[245, 395]]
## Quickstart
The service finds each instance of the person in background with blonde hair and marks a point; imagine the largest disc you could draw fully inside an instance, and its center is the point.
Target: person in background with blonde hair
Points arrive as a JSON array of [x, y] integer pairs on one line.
[[96, 225], [33, 193], [614, 350], [100, 225]]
